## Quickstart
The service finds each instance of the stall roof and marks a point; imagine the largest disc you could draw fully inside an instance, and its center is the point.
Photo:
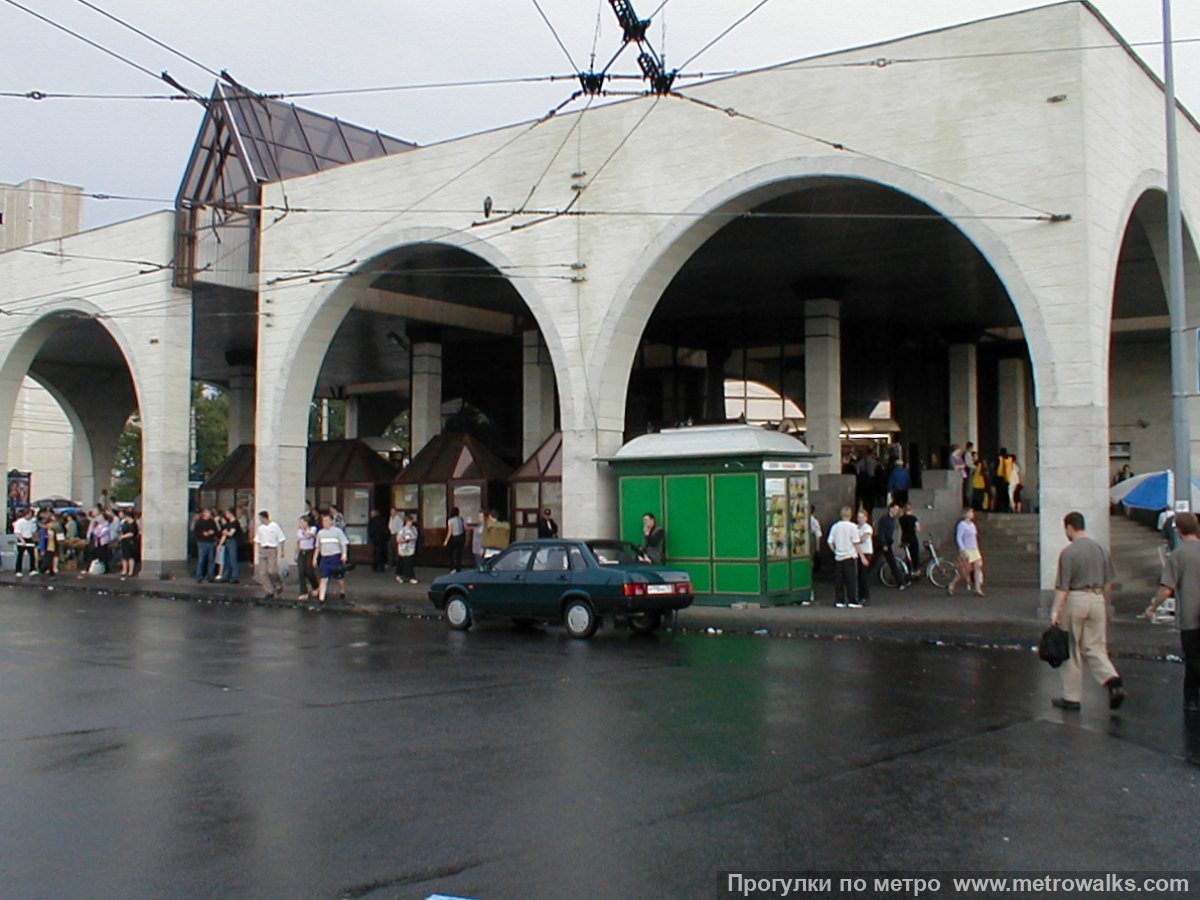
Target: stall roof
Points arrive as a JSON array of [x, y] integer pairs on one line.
[[236, 472], [454, 457], [712, 440], [329, 462], [347, 462], [545, 464]]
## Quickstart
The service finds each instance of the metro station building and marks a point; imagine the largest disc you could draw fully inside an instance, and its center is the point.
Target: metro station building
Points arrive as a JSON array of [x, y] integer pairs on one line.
[[968, 224]]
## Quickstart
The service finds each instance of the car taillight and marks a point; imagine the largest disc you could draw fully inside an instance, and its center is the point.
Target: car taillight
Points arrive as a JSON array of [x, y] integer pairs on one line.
[[683, 587], [633, 590]]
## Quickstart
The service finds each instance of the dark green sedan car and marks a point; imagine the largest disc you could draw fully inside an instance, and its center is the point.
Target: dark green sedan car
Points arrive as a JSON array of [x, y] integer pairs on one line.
[[573, 582]]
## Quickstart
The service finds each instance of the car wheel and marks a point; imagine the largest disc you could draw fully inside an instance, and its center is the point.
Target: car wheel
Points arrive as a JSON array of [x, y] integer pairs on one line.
[[580, 619], [647, 623], [458, 614]]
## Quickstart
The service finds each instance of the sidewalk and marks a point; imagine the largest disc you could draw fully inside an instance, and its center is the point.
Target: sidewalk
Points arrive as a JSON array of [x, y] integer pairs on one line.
[[1006, 618]]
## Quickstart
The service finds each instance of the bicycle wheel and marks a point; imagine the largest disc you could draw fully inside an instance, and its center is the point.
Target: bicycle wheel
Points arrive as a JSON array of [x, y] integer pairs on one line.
[[885, 572], [941, 572]]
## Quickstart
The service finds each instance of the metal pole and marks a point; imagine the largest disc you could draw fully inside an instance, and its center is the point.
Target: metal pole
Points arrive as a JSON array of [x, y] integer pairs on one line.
[[1176, 301]]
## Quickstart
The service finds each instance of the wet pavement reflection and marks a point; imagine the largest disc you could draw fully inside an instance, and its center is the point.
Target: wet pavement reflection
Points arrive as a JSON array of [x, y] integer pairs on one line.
[[158, 748]]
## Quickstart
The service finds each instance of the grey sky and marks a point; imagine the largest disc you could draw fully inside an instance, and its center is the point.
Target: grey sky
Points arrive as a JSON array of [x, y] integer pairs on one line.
[[140, 147]]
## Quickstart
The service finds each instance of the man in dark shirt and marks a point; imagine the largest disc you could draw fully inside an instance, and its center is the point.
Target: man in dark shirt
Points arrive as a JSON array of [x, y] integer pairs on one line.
[[547, 527], [910, 537], [1085, 577], [887, 532], [205, 533], [1181, 580], [379, 536]]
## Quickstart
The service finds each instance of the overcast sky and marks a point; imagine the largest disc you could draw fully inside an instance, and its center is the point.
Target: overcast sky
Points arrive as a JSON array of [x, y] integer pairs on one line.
[[140, 147]]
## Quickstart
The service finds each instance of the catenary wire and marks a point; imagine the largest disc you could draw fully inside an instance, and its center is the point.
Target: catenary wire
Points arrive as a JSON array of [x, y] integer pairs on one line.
[[715, 40], [149, 37], [554, 32]]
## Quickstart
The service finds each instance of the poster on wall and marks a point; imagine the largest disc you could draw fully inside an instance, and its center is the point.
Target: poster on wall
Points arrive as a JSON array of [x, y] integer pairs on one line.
[[18, 492]]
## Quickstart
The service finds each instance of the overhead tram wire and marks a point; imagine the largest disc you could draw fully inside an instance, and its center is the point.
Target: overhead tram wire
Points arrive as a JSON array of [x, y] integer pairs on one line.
[[554, 32], [874, 63], [715, 40], [836, 145], [150, 38]]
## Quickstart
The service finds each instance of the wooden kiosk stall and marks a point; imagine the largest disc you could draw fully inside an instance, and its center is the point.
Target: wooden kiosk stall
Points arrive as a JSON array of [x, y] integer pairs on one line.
[[734, 503], [453, 470], [537, 485]]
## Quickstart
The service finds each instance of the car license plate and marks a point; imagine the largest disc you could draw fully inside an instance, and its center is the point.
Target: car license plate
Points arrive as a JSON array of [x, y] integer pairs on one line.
[[658, 589]]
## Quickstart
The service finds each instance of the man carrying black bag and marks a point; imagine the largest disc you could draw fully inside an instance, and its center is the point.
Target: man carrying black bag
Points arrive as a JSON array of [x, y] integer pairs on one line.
[[1181, 580]]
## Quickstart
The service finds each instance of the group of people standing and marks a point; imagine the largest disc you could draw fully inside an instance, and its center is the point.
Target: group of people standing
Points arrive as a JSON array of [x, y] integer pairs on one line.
[[91, 543], [993, 485]]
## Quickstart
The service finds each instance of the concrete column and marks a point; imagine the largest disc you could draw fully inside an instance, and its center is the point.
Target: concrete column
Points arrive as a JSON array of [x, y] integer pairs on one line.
[[1013, 411], [1073, 469], [823, 382], [537, 385], [589, 503], [964, 395], [426, 395], [241, 406], [351, 417]]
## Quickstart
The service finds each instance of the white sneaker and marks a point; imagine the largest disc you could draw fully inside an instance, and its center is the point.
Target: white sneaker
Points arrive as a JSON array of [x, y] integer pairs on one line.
[[412, 581]]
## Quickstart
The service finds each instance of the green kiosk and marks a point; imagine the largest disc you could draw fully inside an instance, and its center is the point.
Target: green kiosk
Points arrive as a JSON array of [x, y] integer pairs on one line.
[[734, 503]]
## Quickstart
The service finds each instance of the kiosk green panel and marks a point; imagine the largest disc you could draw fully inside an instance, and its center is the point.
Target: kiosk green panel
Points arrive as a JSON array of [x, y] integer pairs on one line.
[[687, 514], [640, 494], [801, 574], [777, 577], [699, 572], [737, 578], [736, 520]]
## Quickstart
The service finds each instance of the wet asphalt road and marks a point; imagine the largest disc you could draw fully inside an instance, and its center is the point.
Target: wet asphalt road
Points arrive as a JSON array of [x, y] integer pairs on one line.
[[151, 748]]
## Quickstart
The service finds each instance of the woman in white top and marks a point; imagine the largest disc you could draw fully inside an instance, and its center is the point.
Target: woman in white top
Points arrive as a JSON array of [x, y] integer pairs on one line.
[[866, 555], [406, 551], [332, 553]]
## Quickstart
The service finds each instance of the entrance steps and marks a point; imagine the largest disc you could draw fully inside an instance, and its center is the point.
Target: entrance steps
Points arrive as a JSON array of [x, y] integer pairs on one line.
[[1010, 551]]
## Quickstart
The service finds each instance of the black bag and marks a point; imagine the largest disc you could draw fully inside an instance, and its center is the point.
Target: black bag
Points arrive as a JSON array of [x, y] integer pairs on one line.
[[1054, 647]]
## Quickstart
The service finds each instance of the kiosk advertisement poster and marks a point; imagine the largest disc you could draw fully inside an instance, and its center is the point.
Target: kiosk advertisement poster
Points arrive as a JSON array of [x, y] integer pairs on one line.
[[18, 492]]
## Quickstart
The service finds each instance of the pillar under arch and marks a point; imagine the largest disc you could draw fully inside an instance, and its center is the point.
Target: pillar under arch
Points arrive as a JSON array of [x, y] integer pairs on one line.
[[537, 381], [964, 395], [823, 382], [426, 421]]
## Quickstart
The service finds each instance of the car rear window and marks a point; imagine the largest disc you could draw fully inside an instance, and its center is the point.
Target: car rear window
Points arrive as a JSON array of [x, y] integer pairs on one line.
[[614, 553]]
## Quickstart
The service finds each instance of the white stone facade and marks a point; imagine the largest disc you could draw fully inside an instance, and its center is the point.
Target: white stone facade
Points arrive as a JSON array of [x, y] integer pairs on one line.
[[995, 125]]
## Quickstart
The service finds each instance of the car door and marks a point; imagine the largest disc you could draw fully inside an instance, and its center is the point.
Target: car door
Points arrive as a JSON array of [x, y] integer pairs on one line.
[[501, 590], [548, 579]]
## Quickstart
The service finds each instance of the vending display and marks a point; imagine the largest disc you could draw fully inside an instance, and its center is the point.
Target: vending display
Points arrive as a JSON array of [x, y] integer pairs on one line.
[[776, 510], [798, 506]]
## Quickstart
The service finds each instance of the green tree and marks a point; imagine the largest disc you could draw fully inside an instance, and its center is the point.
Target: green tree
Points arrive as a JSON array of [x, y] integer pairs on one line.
[[127, 466], [210, 411]]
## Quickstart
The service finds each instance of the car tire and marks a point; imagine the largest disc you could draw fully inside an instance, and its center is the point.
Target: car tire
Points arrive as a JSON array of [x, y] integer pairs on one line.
[[647, 623], [580, 619], [458, 614]]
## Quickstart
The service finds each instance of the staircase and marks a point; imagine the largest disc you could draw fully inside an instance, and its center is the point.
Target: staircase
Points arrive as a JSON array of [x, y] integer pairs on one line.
[[1010, 552]]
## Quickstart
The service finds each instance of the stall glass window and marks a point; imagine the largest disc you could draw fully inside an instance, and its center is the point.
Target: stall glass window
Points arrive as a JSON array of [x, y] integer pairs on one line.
[[357, 512], [776, 525], [799, 510], [433, 506], [469, 500], [406, 497]]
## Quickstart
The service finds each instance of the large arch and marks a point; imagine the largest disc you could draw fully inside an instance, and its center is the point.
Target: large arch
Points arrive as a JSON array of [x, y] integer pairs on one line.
[[662, 259], [284, 396]]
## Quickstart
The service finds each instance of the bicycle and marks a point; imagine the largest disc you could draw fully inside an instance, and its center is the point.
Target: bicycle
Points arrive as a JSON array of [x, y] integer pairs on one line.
[[938, 571]]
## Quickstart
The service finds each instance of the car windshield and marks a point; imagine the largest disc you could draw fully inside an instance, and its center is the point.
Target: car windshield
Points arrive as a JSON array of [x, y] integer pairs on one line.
[[613, 553]]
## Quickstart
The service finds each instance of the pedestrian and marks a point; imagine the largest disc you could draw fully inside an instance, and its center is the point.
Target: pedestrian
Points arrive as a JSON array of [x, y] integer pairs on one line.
[[815, 533], [979, 484], [1014, 486], [843, 541], [1181, 580], [866, 556], [456, 538], [406, 551], [910, 537], [395, 523], [888, 532], [654, 541], [26, 530], [496, 534], [1084, 578], [477, 528], [379, 536], [333, 552], [231, 541], [546, 526], [339, 521], [969, 566], [270, 539], [1000, 489], [128, 542], [47, 545], [306, 568], [958, 462], [204, 531], [899, 482]]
